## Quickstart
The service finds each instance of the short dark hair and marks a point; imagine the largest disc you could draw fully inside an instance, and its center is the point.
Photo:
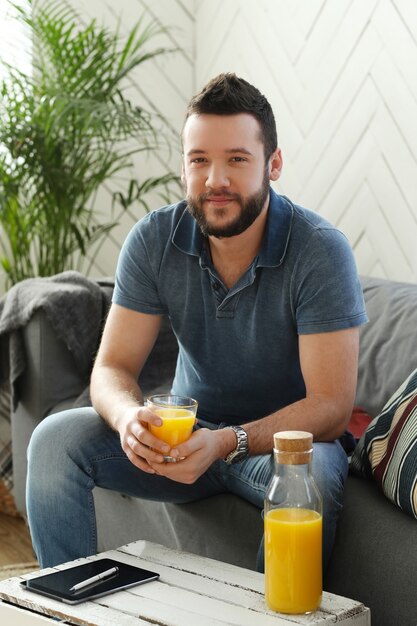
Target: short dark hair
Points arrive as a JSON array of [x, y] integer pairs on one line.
[[227, 94]]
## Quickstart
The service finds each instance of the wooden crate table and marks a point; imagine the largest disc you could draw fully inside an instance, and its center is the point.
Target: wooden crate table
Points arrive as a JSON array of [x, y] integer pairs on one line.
[[191, 591]]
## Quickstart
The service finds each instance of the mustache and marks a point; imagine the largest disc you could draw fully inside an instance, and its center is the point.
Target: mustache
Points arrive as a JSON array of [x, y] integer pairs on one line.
[[218, 193]]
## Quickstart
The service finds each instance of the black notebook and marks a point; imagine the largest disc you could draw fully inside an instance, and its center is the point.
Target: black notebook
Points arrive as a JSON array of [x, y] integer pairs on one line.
[[118, 576]]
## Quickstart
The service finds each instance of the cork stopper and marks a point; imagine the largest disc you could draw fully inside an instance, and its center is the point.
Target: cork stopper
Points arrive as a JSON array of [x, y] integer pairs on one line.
[[293, 447]]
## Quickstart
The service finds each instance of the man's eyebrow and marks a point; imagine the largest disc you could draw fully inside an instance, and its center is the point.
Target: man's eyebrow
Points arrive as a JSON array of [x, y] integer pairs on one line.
[[230, 151], [241, 150], [195, 151]]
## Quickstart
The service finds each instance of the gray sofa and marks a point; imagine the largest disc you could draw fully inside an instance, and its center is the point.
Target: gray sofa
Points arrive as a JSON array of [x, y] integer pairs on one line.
[[375, 556]]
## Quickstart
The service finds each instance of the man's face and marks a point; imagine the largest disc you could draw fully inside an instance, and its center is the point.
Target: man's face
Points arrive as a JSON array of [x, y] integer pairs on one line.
[[225, 176]]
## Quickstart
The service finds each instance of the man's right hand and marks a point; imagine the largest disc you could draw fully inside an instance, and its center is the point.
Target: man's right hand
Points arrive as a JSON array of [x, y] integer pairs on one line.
[[138, 443], [127, 340]]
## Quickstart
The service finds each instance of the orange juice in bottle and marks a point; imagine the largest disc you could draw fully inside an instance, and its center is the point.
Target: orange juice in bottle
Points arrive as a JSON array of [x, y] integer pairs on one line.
[[293, 528]]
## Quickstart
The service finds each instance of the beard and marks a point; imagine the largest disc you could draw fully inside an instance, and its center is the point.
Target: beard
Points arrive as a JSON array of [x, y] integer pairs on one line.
[[250, 209]]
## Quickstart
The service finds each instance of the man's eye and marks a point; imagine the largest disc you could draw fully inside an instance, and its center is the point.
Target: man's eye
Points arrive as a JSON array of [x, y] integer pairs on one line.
[[198, 160], [238, 159]]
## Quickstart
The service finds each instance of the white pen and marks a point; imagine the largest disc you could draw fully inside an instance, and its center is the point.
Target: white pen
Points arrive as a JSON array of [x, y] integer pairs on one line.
[[95, 579]]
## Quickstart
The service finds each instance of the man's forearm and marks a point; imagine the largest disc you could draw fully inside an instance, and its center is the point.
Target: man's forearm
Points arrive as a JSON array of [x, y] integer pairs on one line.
[[113, 392], [323, 417]]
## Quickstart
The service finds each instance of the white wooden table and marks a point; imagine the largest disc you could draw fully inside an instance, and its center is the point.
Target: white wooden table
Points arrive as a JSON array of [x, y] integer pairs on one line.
[[191, 591]]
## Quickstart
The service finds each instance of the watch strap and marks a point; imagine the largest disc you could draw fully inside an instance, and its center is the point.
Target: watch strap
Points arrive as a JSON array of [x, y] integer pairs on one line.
[[241, 451]]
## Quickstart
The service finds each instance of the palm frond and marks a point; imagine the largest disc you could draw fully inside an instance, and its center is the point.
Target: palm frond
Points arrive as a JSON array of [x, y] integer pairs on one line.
[[64, 131]]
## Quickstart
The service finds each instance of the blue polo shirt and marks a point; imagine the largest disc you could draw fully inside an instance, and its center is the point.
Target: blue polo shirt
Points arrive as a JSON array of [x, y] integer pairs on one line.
[[238, 348]]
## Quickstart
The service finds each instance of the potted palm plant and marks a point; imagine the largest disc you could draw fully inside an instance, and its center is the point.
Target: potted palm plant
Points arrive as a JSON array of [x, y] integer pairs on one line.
[[66, 127]]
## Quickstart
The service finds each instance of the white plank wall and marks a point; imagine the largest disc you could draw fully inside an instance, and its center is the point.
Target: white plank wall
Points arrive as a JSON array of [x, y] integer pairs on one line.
[[341, 76]]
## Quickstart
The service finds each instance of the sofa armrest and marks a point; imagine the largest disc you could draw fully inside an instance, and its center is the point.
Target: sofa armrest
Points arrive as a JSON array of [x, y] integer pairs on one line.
[[49, 383]]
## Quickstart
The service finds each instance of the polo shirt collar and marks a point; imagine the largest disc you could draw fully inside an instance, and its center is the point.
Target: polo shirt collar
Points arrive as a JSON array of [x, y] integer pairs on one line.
[[187, 236], [277, 232]]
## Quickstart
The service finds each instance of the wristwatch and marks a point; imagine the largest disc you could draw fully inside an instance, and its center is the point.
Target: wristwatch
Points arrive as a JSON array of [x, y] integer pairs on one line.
[[241, 452]]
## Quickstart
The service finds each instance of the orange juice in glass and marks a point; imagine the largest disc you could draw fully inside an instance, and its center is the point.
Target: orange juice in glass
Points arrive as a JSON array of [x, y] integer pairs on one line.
[[178, 414]]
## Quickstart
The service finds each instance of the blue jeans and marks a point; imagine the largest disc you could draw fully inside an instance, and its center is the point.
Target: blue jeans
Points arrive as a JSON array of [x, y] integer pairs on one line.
[[73, 451]]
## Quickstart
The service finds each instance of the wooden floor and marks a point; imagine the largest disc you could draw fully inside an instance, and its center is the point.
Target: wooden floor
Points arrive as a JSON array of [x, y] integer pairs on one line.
[[15, 543]]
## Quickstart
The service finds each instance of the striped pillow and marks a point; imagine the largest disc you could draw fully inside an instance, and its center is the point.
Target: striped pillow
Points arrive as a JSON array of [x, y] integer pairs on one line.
[[387, 451]]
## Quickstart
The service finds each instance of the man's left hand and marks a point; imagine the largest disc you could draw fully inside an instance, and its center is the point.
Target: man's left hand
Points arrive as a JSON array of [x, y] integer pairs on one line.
[[200, 451]]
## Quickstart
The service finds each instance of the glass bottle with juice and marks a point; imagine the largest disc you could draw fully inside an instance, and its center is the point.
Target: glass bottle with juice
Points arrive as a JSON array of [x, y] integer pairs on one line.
[[293, 528]]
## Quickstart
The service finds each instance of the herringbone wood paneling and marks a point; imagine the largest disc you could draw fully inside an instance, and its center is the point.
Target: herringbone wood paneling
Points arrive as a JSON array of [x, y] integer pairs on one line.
[[342, 79]]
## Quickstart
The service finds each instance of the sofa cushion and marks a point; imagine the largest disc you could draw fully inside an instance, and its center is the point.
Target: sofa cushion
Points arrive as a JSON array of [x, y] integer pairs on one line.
[[387, 452], [375, 555], [388, 343]]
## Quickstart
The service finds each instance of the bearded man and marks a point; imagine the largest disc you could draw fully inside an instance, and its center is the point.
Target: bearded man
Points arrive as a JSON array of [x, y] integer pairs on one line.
[[265, 301]]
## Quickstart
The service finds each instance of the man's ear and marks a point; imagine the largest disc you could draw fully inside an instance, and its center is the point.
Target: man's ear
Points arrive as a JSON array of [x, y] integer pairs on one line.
[[275, 165]]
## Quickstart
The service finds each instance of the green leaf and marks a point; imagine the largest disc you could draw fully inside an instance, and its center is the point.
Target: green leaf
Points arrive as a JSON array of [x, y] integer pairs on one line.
[[63, 133]]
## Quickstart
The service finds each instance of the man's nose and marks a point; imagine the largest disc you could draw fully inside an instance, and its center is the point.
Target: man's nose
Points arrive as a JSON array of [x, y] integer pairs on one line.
[[217, 177]]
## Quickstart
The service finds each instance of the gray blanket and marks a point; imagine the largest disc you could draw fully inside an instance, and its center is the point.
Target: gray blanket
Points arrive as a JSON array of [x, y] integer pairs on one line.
[[75, 306]]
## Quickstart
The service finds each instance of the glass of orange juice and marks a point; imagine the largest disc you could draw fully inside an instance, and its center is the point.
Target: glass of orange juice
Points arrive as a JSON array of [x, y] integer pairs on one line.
[[178, 414]]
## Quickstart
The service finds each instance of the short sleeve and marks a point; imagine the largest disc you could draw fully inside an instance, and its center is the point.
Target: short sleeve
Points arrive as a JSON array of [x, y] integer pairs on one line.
[[136, 284], [327, 291]]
